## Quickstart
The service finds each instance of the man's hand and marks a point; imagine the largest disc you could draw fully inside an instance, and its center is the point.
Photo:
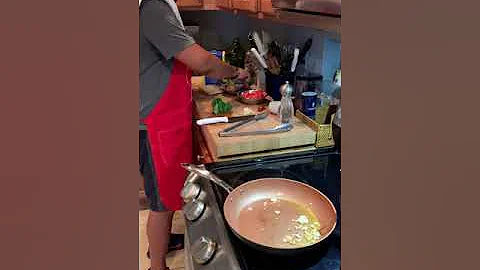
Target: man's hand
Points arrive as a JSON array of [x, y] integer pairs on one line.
[[204, 63], [243, 74]]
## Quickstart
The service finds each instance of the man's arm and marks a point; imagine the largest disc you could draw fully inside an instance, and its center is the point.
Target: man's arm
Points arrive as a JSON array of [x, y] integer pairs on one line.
[[163, 30], [201, 61]]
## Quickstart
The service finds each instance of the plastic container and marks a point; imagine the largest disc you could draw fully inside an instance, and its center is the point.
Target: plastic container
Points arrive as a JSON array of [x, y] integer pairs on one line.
[[322, 108], [309, 104], [219, 55], [273, 83], [306, 83]]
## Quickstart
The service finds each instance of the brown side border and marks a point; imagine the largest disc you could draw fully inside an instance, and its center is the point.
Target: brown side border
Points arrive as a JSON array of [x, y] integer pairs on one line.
[[69, 150], [410, 145]]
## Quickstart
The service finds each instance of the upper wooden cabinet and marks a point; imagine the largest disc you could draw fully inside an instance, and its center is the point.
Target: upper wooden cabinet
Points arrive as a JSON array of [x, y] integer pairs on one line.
[[246, 5], [252, 6], [225, 4], [263, 9], [266, 7], [189, 3]]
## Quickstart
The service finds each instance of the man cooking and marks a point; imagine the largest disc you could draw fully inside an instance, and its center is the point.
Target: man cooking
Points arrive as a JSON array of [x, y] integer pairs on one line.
[[167, 56]]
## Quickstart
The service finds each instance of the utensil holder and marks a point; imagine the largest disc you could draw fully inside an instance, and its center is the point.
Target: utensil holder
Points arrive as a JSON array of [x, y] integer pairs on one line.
[[273, 83]]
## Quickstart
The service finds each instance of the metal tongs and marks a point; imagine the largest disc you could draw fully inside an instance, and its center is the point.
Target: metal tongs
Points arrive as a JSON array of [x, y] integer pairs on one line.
[[229, 131]]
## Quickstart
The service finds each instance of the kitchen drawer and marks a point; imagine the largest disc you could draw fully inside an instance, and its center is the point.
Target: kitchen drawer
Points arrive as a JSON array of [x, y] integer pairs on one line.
[[246, 5], [200, 153], [227, 4]]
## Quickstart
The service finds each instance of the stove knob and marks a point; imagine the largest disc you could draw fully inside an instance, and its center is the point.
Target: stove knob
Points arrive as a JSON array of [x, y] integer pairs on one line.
[[203, 250], [193, 210], [190, 192]]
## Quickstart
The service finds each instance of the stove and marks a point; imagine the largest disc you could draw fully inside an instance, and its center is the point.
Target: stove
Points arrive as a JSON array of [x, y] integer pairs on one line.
[[211, 245]]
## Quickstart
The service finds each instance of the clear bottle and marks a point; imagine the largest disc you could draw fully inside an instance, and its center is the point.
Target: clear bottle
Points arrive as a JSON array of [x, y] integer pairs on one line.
[[235, 55], [286, 104]]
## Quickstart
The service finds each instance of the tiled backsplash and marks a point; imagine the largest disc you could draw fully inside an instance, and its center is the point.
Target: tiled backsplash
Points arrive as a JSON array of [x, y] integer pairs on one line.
[[218, 29]]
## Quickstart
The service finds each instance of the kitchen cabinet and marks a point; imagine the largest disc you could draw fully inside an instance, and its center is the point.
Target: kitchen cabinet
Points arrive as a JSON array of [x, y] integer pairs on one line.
[[189, 3], [197, 5], [245, 5], [263, 9], [224, 4], [266, 7]]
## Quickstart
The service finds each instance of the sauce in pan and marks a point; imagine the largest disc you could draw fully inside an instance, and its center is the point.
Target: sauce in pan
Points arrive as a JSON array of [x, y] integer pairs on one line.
[[279, 223]]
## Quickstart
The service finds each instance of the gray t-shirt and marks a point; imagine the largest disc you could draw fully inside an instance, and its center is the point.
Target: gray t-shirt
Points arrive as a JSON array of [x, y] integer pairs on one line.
[[161, 38]]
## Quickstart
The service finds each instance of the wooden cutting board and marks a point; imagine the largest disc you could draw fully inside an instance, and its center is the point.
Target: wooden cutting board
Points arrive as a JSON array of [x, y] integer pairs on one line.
[[300, 135]]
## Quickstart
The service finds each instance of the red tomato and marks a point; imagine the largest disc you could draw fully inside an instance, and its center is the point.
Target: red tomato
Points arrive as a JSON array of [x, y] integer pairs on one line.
[[254, 94]]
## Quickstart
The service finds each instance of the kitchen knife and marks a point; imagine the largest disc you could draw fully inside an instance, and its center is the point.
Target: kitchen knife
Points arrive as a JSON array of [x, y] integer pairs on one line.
[[224, 119], [255, 118], [278, 129], [258, 42], [296, 53], [306, 47], [259, 58]]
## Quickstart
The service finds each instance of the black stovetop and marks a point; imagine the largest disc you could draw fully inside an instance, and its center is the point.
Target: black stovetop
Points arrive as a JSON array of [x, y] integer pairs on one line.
[[322, 171]]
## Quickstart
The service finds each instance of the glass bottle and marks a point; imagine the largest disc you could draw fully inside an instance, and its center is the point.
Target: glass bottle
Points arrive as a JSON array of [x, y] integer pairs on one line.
[[235, 55], [286, 104]]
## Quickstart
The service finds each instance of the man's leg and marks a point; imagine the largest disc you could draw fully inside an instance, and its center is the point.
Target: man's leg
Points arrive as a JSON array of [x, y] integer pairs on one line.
[[158, 231], [160, 219], [176, 242]]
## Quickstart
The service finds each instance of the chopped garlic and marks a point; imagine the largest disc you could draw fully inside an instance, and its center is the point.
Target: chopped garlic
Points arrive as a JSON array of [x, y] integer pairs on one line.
[[248, 111], [303, 231], [302, 219]]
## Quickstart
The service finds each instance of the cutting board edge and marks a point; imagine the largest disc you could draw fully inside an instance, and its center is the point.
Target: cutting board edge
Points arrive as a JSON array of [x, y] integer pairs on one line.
[[267, 153], [210, 142], [264, 151], [224, 150]]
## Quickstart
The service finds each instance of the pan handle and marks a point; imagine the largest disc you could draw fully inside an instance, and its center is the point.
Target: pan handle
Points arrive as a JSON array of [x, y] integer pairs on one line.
[[201, 171]]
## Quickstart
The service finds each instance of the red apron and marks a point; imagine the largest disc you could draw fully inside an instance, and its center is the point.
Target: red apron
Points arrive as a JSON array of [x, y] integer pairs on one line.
[[169, 129]]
